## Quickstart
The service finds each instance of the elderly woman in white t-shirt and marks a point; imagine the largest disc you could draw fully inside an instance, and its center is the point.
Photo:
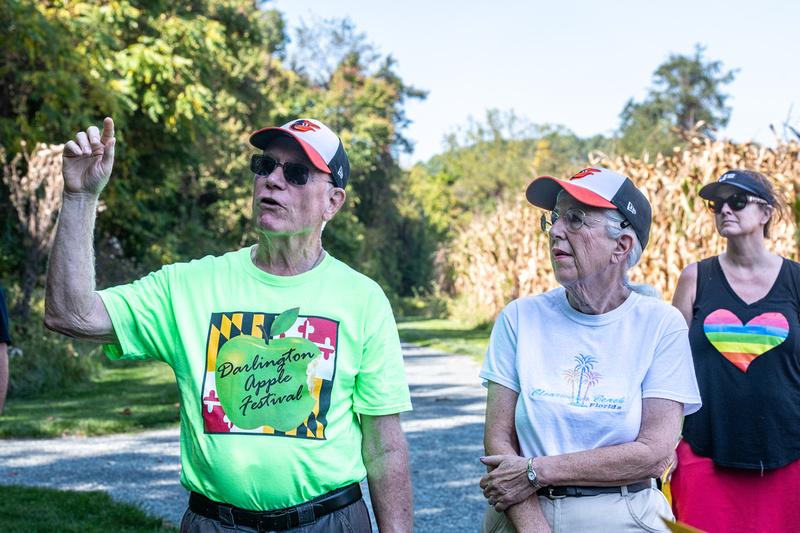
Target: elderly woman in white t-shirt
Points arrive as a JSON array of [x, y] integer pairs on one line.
[[588, 382]]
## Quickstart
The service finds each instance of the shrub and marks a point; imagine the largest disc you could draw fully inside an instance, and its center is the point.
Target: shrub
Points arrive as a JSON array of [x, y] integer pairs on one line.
[[430, 304], [41, 361]]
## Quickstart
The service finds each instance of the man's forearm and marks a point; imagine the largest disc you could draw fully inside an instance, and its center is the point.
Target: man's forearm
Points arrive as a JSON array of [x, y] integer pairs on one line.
[[390, 491], [70, 298], [386, 458]]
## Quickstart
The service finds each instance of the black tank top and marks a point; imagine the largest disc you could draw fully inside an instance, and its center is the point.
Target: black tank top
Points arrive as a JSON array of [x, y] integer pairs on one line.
[[747, 361]]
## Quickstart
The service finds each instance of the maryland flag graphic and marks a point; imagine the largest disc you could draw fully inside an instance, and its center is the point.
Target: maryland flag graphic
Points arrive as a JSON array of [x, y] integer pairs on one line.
[[269, 374]]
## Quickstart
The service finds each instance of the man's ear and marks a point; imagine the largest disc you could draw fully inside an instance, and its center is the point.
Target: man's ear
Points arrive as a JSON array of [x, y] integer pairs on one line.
[[623, 248], [336, 198]]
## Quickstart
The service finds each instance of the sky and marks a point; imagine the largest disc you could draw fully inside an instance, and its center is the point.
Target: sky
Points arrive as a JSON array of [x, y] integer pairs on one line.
[[573, 63]]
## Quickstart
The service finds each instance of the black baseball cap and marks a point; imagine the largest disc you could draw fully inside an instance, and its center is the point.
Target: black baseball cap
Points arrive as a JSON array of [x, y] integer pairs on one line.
[[740, 179]]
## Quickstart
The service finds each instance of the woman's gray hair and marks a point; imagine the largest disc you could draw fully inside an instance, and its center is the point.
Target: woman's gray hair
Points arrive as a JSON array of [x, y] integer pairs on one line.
[[614, 230]]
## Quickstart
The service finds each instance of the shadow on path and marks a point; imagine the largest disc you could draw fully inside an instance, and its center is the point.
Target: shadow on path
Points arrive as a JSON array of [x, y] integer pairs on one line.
[[445, 438], [139, 468]]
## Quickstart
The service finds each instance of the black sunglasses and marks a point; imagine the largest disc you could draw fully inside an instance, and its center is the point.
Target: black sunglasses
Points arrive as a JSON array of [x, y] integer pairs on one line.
[[264, 165], [736, 201]]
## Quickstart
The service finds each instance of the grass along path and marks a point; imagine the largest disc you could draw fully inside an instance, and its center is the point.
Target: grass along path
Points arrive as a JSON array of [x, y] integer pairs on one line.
[[447, 335], [135, 396], [127, 396], [46, 510]]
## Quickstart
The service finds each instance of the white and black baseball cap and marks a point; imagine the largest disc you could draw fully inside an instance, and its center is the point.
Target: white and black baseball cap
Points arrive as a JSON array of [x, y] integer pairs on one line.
[[323, 147], [598, 187]]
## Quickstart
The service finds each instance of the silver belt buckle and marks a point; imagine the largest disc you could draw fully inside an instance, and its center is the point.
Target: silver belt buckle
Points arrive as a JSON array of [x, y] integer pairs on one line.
[[554, 496]]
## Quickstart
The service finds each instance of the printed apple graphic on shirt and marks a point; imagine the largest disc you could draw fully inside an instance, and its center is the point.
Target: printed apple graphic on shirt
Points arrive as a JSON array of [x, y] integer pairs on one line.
[[266, 381]]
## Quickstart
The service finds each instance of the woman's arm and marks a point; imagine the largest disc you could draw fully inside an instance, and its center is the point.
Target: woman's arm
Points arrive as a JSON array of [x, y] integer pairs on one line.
[[500, 438], [685, 292], [646, 457], [622, 464]]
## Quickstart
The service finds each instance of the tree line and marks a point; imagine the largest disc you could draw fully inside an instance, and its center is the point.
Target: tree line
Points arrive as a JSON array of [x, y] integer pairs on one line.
[[495, 158], [187, 81]]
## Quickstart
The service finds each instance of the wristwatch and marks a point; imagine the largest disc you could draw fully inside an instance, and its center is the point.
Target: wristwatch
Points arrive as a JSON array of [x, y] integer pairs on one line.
[[532, 477]]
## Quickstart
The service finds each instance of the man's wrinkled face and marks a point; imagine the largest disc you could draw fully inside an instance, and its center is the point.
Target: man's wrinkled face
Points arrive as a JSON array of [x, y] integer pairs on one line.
[[286, 208]]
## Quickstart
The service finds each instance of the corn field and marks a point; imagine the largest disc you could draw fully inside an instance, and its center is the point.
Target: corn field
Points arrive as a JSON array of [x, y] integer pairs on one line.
[[502, 256]]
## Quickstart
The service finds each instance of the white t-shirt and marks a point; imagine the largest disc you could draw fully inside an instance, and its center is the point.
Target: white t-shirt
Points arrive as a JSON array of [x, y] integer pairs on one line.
[[581, 378]]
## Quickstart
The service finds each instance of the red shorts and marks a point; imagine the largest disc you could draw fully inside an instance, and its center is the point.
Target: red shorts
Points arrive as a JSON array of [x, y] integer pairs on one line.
[[724, 500]]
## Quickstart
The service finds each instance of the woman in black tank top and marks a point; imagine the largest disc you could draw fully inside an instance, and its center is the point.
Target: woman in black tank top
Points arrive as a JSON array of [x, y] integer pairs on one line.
[[739, 460]]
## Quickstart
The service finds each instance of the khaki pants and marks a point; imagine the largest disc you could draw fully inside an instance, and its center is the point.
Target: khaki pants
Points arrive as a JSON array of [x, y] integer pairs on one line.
[[623, 512]]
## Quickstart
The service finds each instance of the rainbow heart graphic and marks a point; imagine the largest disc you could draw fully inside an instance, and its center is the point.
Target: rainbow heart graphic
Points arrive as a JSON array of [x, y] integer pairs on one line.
[[742, 343]]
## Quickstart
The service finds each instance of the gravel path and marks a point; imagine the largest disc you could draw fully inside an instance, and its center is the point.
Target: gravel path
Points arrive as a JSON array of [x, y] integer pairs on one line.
[[444, 432]]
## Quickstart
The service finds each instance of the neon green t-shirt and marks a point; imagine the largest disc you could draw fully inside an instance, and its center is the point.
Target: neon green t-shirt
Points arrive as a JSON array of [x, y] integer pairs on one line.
[[338, 355]]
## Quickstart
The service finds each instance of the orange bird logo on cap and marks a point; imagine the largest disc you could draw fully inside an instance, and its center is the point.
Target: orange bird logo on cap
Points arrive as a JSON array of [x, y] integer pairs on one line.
[[585, 172], [304, 125]]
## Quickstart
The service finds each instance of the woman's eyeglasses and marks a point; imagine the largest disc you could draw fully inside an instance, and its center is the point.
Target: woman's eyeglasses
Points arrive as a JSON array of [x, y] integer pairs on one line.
[[574, 218], [294, 173], [736, 202]]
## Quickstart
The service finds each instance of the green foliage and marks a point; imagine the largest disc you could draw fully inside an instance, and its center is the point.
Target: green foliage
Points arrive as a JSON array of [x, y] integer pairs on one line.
[[183, 80], [486, 164], [686, 95], [491, 162], [416, 245], [41, 361], [39, 510], [362, 99], [11, 253], [422, 305], [185, 83], [185, 139], [51, 77]]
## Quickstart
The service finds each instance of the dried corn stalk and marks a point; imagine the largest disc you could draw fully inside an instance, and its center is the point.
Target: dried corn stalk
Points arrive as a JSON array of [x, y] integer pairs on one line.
[[504, 255]]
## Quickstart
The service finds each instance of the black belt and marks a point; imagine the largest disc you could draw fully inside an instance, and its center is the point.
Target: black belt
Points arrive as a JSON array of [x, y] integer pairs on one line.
[[279, 519], [563, 492]]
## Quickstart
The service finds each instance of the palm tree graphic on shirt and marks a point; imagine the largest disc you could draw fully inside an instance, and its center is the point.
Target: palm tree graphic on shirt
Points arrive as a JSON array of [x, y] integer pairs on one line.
[[583, 372], [591, 378], [571, 376]]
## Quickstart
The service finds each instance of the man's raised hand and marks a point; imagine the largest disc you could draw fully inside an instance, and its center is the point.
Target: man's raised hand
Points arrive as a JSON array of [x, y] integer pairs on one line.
[[88, 160]]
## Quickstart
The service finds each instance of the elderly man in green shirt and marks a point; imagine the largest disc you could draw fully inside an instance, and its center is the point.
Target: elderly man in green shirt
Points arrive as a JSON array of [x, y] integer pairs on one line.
[[287, 360]]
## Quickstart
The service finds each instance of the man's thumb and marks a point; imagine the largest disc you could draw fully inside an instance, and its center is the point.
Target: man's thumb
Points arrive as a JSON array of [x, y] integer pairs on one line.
[[108, 154]]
